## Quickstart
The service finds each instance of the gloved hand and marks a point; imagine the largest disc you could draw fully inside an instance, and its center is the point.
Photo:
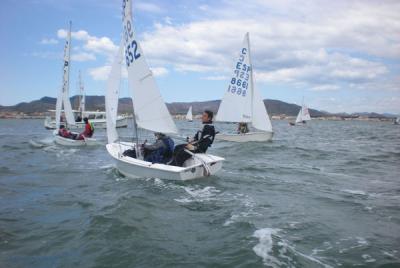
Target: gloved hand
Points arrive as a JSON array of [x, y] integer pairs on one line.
[[190, 147]]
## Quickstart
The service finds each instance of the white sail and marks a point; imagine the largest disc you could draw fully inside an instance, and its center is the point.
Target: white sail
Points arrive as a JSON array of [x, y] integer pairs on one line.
[[189, 115], [304, 114], [151, 113], [236, 103], [242, 102], [112, 95], [65, 89], [82, 93], [58, 109], [260, 118]]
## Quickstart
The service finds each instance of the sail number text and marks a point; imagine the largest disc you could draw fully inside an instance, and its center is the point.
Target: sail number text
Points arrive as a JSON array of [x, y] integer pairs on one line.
[[240, 81]]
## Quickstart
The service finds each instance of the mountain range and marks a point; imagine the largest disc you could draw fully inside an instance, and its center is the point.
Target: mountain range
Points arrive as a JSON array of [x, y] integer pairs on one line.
[[97, 103]]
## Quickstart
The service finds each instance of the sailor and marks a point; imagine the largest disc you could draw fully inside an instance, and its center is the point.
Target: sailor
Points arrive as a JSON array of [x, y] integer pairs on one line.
[[243, 128], [63, 132], [160, 151], [200, 142], [89, 130]]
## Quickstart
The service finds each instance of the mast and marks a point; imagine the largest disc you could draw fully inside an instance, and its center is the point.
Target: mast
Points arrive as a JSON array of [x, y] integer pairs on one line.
[[135, 125], [81, 95], [251, 76]]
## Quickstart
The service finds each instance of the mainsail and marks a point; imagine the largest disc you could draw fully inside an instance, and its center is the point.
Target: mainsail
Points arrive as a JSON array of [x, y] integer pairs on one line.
[[65, 89], [189, 115], [304, 114], [242, 102], [112, 95], [82, 101], [151, 113], [63, 97]]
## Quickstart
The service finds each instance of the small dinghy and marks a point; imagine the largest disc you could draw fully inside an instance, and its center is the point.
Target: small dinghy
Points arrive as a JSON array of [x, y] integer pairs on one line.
[[150, 113], [242, 102], [70, 142], [63, 100], [189, 115], [303, 116]]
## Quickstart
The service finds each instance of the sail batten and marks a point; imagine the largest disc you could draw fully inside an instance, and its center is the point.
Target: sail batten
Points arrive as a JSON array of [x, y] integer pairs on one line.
[[151, 113]]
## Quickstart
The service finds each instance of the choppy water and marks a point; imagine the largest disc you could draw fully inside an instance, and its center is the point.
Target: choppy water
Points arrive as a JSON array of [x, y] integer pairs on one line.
[[324, 195]]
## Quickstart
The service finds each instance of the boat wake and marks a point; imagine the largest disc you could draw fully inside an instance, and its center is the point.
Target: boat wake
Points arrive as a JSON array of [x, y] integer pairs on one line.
[[277, 252]]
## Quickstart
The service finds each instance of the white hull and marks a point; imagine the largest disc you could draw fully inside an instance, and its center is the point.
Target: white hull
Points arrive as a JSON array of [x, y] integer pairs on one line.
[[97, 123], [74, 143], [136, 168], [246, 137]]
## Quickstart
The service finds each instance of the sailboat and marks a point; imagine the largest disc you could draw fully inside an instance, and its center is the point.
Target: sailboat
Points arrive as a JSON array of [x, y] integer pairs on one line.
[[63, 100], [189, 115], [98, 119], [396, 121], [150, 113], [242, 102], [303, 116]]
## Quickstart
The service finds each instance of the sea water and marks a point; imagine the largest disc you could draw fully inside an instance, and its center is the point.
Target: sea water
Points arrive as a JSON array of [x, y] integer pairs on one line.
[[326, 194]]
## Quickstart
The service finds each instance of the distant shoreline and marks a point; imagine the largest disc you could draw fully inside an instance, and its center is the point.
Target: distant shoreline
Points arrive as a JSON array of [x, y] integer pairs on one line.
[[9, 115]]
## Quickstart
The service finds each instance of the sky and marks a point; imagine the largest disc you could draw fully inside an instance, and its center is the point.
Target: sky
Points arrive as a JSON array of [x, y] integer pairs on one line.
[[341, 56]]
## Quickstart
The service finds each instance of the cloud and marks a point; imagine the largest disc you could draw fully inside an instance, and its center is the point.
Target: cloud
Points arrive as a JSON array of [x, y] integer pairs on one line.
[[312, 46], [83, 56], [148, 7], [325, 88], [100, 73], [92, 44], [159, 71], [216, 78], [49, 41]]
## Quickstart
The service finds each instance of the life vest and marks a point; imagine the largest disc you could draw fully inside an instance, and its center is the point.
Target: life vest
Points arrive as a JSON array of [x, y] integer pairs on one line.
[[169, 148], [163, 154], [91, 127]]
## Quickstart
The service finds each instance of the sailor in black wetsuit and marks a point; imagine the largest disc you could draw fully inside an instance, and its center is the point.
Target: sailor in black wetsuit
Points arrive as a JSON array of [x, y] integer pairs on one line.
[[200, 143]]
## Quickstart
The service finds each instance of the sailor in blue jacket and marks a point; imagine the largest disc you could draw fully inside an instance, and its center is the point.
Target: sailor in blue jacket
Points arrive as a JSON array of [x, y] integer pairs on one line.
[[160, 151]]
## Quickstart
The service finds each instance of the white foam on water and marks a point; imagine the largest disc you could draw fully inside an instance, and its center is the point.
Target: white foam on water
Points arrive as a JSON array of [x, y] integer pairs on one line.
[[391, 255], [269, 239], [247, 205], [106, 166], [361, 242], [264, 248], [36, 144], [354, 192], [368, 258], [199, 194]]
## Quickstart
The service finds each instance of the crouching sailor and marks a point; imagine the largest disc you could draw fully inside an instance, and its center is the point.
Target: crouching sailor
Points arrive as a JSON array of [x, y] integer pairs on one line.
[[200, 143], [63, 132], [160, 151]]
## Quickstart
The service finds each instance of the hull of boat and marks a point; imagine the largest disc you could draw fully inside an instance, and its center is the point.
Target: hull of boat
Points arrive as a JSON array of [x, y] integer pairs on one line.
[[246, 137], [97, 123], [136, 168], [74, 143]]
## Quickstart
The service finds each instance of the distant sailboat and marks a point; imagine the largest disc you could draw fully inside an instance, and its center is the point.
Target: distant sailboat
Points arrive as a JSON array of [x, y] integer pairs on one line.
[[150, 113], [303, 115], [242, 102], [189, 115], [63, 100], [396, 121], [98, 119]]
